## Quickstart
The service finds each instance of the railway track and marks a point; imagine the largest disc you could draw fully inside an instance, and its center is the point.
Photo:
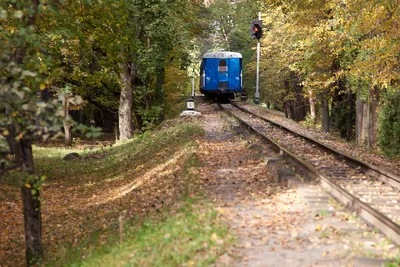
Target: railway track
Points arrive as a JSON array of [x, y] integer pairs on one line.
[[369, 190]]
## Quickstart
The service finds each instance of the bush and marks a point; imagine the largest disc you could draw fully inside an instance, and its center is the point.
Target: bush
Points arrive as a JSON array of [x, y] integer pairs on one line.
[[389, 123]]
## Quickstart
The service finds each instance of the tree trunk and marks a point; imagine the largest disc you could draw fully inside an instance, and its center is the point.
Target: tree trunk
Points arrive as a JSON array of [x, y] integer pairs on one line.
[[24, 160], [116, 133], [286, 101], [312, 105], [373, 118], [350, 115], [127, 77], [360, 118], [33, 225], [325, 114], [68, 135], [67, 127], [31, 203], [285, 109], [365, 123]]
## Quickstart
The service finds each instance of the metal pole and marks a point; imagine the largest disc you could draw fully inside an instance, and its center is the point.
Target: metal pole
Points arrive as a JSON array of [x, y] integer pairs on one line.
[[193, 86], [257, 96], [190, 102]]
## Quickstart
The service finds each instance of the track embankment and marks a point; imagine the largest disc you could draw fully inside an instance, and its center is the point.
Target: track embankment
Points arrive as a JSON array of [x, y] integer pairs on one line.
[[369, 190], [275, 224]]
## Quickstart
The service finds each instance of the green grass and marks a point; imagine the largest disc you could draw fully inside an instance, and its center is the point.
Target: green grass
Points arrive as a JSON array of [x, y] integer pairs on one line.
[[126, 156], [394, 263], [186, 231], [189, 235]]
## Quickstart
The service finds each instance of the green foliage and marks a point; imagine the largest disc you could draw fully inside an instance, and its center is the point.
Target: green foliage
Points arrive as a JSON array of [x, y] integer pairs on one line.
[[89, 131], [190, 235], [21, 76], [339, 118], [24, 66], [389, 123], [311, 123], [341, 112], [35, 184], [393, 263], [151, 117], [91, 41]]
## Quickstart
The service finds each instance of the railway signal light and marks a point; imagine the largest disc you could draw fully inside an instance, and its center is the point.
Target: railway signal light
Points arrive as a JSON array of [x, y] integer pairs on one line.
[[256, 29], [256, 33]]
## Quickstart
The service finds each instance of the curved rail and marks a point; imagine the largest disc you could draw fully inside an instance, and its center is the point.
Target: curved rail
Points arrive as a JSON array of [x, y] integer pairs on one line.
[[365, 211]]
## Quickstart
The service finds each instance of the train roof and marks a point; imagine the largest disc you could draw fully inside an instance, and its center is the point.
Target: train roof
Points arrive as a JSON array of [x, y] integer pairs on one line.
[[222, 54]]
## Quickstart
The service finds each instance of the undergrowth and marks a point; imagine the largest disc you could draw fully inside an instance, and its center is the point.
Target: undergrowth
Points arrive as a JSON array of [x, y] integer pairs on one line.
[[389, 124], [186, 235]]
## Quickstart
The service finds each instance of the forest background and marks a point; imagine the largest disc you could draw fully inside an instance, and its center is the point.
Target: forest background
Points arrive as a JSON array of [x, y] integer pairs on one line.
[[124, 66]]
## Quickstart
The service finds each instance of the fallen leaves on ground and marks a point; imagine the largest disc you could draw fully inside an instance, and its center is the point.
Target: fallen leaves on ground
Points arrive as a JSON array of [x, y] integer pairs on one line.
[[268, 220], [72, 212]]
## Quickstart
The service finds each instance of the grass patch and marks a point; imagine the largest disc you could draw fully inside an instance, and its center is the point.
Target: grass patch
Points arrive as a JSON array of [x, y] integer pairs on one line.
[[187, 235], [394, 263], [145, 149], [82, 200]]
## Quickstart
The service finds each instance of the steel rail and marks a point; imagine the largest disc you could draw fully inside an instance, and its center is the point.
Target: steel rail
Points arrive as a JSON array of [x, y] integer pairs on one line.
[[363, 210], [370, 169]]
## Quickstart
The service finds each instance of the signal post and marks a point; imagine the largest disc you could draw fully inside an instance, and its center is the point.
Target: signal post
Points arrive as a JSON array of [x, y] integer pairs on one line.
[[256, 33]]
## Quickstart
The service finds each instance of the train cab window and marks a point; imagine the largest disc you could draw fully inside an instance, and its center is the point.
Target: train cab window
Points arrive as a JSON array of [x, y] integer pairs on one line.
[[222, 66]]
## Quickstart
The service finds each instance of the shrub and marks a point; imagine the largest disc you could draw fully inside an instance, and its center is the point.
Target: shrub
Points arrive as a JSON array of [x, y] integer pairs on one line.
[[389, 123]]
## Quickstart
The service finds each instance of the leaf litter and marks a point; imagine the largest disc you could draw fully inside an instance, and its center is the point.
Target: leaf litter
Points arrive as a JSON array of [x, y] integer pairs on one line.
[[89, 199], [275, 225]]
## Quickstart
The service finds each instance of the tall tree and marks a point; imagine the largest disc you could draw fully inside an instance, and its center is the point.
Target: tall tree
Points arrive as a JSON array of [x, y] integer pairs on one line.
[[24, 119], [18, 100]]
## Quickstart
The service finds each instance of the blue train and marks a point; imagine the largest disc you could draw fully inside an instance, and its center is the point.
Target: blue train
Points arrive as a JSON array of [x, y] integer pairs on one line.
[[221, 75]]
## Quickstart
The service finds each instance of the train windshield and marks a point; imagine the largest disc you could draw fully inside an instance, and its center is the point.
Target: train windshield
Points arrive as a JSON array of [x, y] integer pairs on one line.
[[222, 66]]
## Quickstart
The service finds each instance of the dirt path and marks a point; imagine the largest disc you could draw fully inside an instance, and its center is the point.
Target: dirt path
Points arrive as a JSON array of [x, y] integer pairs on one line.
[[275, 225]]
